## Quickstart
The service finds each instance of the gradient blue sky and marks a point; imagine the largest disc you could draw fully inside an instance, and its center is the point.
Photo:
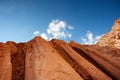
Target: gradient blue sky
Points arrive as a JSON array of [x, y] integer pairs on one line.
[[19, 19]]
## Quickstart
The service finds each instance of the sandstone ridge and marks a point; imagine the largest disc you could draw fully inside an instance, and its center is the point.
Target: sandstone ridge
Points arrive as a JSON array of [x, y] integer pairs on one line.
[[39, 59], [112, 38]]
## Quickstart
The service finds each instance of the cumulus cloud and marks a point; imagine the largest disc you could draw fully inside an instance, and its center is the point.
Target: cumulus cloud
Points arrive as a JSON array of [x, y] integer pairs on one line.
[[44, 36], [36, 33], [69, 35], [57, 29], [90, 39]]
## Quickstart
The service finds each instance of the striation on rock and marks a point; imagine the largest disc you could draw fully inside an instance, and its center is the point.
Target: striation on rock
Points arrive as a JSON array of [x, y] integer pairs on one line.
[[17, 59], [39, 59], [105, 59], [111, 38], [5, 63], [85, 67], [43, 63]]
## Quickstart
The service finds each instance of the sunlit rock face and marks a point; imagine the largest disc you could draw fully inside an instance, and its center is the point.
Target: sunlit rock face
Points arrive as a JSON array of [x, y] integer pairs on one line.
[[5, 63], [112, 38], [39, 59], [43, 62]]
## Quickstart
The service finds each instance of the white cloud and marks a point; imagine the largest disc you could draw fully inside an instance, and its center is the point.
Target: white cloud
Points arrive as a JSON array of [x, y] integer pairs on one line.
[[36, 33], [57, 29], [90, 39], [70, 27], [69, 35], [44, 36]]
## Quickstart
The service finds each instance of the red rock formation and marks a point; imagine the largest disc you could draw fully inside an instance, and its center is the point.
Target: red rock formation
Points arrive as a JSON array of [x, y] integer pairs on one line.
[[84, 67], [111, 38], [39, 59], [5, 63], [104, 58], [57, 60], [17, 60], [44, 63]]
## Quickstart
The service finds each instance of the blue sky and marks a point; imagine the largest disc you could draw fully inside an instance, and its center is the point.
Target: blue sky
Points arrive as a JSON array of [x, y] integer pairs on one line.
[[21, 20]]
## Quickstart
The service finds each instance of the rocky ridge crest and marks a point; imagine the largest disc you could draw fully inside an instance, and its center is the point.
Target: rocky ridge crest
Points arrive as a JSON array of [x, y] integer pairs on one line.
[[39, 59], [111, 38]]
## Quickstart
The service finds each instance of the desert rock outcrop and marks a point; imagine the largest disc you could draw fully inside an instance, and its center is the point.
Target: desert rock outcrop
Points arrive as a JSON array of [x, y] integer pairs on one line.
[[5, 63], [44, 63], [112, 38], [39, 59]]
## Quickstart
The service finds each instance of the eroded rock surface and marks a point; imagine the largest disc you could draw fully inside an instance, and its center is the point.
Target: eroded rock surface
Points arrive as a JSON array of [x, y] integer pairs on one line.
[[112, 38], [5, 63], [106, 59], [17, 59], [44, 63], [80, 64], [39, 59]]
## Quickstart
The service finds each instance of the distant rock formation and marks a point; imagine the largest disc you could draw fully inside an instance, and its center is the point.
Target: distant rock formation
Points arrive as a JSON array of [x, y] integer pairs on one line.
[[39, 59], [112, 38]]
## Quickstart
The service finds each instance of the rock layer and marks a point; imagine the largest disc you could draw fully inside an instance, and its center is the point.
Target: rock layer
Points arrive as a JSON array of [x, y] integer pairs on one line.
[[111, 38], [86, 69], [5, 63], [105, 59], [44, 63], [39, 59]]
